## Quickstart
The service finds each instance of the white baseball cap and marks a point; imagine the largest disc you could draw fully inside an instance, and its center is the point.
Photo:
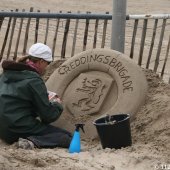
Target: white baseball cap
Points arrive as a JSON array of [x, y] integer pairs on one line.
[[41, 50]]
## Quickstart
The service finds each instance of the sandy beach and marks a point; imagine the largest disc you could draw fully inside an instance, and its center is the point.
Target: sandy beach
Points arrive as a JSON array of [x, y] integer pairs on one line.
[[150, 142], [150, 128], [95, 6]]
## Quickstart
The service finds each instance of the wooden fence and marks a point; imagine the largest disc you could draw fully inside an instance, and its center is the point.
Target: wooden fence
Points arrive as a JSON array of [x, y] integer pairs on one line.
[[147, 39]]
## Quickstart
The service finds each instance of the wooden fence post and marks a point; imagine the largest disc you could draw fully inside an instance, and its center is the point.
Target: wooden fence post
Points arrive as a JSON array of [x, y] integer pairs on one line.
[[133, 37], [55, 37], [104, 32], [36, 29], [142, 41], [166, 57], [159, 46], [63, 50], [1, 22], [18, 38], [152, 43], [5, 39], [26, 34], [95, 33], [86, 33], [47, 28], [11, 37], [75, 36]]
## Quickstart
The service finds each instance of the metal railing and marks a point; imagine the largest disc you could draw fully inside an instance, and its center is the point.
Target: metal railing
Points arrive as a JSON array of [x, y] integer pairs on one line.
[[147, 37]]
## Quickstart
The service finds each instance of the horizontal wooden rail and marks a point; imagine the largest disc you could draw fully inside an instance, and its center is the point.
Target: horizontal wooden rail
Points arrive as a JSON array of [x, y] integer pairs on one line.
[[55, 15], [78, 15]]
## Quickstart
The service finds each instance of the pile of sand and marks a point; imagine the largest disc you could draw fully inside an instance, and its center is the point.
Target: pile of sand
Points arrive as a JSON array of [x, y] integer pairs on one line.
[[150, 135]]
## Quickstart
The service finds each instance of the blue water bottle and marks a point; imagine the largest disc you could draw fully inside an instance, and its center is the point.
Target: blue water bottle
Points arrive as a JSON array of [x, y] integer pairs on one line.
[[75, 145]]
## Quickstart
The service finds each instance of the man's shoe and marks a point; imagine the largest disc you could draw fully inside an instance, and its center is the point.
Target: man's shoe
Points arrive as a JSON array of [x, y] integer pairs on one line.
[[24, 144]]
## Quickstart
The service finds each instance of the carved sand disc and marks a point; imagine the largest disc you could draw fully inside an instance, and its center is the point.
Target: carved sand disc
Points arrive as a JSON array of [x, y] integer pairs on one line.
[[95, 83]]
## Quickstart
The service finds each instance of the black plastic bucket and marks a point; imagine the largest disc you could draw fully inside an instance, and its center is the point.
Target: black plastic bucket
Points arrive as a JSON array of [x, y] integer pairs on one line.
[[114, 131]]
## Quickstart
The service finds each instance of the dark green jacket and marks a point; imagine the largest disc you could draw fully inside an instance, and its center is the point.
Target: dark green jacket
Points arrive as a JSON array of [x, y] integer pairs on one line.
[[23, 98]]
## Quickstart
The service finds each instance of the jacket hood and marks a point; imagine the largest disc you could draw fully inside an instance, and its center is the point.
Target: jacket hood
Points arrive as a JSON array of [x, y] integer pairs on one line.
[[13, 71]]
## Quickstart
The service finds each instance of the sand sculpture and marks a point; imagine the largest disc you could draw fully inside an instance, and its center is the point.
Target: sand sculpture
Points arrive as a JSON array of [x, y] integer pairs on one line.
[[95, 83]]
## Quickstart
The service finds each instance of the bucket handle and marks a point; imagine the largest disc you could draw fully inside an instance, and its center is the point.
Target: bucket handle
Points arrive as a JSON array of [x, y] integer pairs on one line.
[[108, 120]]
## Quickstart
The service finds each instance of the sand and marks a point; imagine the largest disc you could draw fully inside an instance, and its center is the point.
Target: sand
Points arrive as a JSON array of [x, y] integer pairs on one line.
[[150, 148], [150, 129]]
